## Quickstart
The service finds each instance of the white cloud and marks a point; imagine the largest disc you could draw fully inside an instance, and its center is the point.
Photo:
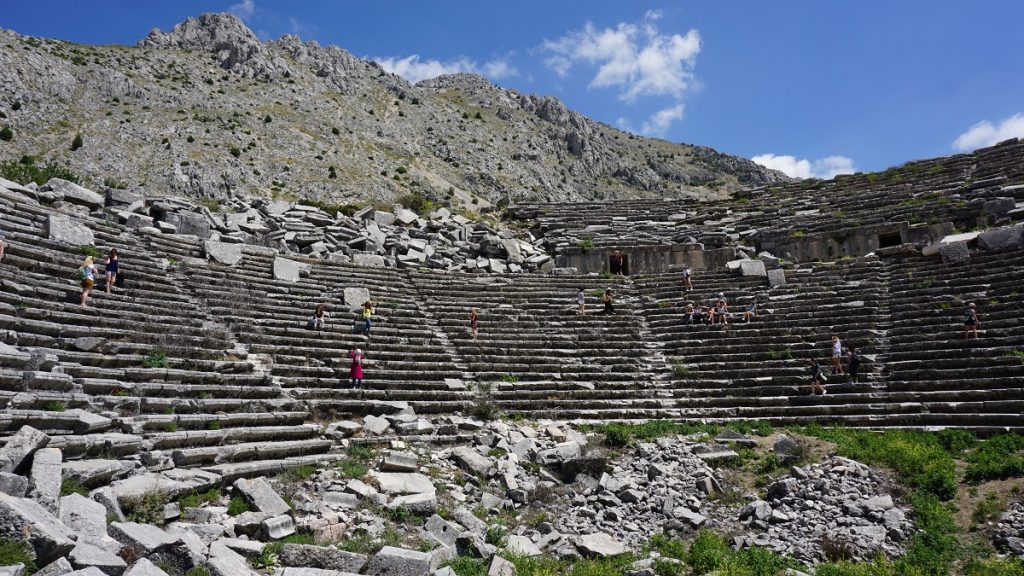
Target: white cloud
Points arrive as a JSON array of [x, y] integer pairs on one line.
[[660, 121], [636, 58], [413, 69], [984, 133], [827, 167], [499, 68], [244, 9]]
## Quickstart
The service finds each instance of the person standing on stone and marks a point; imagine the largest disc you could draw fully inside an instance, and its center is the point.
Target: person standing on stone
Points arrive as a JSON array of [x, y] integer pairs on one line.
[[816, 378], [581, 302], [1, 246], [87, 275], [607, 299], [474, 316], [837, 356], [616, 264], [110, 269], [854, 361], [687, 282], [355, 372], [318, 317], [971, 321], [367, 316]]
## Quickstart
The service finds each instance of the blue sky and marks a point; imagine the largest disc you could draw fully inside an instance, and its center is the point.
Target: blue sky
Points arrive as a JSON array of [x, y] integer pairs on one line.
[[811, 87]]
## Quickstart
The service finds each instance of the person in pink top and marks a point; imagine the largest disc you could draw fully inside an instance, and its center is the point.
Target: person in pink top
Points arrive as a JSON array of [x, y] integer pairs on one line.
[[355, 373]]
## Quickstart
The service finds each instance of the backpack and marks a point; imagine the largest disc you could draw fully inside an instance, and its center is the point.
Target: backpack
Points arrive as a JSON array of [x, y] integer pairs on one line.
[[83, 273], [968, 315], [311, 324]]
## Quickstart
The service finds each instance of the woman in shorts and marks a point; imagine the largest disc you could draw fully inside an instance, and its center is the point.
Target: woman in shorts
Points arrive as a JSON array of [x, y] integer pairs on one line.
[[87, 275]]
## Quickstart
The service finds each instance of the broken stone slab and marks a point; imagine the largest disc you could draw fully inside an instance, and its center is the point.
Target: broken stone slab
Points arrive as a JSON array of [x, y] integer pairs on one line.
[[278, 527], [58, 567], [341, 500], [45, 478], [16, 454], [288, 270], [12, 357], [501, 567], [144, 567], [261, 496], [74, 193], [717, 455], [955, 253], [471, 461], [325, 558], [22, 519], [599, 544], [193, 224], [84, 555], [422, 503], [13, 484], [441, 531], [88, 571], [375, 424], [1000, 239], [396, 461], [225, 253], [522, 546], [368, 260], [560, 453], [94, 473], [355, 296], [405, 217], [392, 561], [229, 566], [693, 519], [776, 277], [86, 517], [65, 230], [145, 539], [343, 429]]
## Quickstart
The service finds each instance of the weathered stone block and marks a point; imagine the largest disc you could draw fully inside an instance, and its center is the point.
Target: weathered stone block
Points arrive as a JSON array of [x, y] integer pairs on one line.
[[226, 253], [16, 455], [391, 561], [955, 253], [65, 230], [22, 519]]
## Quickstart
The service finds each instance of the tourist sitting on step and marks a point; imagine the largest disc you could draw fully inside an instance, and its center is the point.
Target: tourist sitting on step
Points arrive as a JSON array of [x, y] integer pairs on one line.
[[691, 316], [355, 372], [721, 312], [687, 282], [607, 299], [837, 356], [367, 315], [750, 313], [319, 315], [87, 276], [817, 378], [853, 359], [971, 321], [581, 302], [474, 317], [110, 269]]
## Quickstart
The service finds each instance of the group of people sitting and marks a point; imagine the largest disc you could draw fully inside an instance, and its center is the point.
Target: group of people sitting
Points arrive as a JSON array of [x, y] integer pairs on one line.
[[356, 356], [717, 313]]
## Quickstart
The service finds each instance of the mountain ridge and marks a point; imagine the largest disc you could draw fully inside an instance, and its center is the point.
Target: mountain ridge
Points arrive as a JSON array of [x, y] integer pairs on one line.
[[207, 110]]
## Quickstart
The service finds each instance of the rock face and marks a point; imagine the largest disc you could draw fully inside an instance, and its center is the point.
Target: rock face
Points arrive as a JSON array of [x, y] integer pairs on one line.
[[432, 143]]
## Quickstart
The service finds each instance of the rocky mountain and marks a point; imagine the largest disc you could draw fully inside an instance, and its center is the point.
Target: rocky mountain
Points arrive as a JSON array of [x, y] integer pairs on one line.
[[207, 110]]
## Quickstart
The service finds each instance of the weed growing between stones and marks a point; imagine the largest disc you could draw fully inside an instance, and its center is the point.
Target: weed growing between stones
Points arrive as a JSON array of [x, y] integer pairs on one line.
[[195, 500], [156, 359], [12, 553], [237, 506], [69, 486], [146, 509], [360, 458], [298, 474]]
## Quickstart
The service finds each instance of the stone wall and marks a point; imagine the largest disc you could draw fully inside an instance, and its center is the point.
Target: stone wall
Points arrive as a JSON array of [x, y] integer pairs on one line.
[[645, 259]]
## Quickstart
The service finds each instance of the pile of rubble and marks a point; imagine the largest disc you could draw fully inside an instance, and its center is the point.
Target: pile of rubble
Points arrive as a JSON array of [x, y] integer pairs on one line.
[[396, 238], [661, 486], [837, 508], [1009, 531]]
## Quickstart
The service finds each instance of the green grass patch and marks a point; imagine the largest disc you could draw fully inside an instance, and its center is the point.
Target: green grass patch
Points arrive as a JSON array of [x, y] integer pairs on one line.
[[195, 500], [18, 553], [237, 506], [996, 458], [54, 406], [25, 170], [586, 243], [87, 250], [156, 359], [298, 474], [624, 434], [360, 458], [69, 486]]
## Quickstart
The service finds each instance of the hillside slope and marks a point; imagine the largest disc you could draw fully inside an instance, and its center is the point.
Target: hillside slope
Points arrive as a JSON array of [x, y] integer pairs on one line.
[[207, 110]]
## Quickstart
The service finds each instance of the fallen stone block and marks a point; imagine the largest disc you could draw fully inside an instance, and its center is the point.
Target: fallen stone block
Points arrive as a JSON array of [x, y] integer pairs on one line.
[[13, 484], [423, 503], [287, 270], [12, 357], [1001, 239], [65, 230], [302, 555], [471, 461], [355, 296], [441, 531], [228, 566], [58, 567], [392, 561], [278, 527], [522, 546], [395, 461], [16, 455], [776, 277], [145, 539], [85, 555], [74, 193], [144, 567], [86, 517], [261, 496], [22, 519], [955, 253], [45, 478], [226, 253], [403, 483], [600, 545]]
